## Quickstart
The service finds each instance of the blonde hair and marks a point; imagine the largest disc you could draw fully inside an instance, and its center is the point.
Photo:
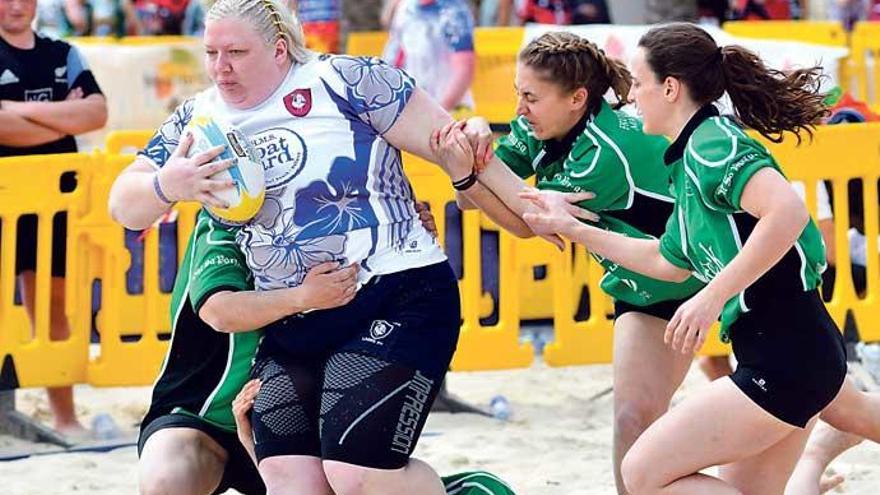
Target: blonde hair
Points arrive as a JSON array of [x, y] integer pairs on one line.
[[272, 19]]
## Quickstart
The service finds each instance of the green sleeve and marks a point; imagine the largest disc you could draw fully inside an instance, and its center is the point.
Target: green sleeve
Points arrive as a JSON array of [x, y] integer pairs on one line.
[[218, 264], [519, 148], [671, 242], [723, 164], [590, 168]]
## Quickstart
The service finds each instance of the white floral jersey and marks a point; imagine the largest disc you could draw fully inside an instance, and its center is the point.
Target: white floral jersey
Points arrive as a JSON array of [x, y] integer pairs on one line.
[[335, 189]]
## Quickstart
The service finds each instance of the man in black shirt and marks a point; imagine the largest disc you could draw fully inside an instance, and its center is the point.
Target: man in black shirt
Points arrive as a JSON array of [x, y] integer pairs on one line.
[[47, 96]]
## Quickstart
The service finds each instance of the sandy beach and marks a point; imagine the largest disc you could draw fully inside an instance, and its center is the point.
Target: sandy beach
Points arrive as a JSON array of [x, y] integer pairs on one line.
[[558, 440]]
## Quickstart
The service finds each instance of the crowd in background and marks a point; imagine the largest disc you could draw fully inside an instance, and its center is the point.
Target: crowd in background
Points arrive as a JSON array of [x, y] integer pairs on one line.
[[327, 19]]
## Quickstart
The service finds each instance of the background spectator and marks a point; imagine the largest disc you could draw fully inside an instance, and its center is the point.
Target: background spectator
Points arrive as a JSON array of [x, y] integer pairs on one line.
[[433, 40], [47, 96], [320, 21], [670, 10], [161, 17]]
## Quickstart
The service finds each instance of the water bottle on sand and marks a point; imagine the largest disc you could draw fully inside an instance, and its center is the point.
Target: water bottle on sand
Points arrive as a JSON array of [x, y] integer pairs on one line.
[[104, 427], [500, 407]]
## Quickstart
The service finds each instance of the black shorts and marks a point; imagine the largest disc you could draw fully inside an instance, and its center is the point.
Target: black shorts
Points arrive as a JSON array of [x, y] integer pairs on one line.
[[791, 358], [663, 309], [355, 384], [240, 473], [26, 244]]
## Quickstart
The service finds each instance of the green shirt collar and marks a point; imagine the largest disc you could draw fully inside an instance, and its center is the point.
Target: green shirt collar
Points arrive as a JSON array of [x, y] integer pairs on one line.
[[676, 149]]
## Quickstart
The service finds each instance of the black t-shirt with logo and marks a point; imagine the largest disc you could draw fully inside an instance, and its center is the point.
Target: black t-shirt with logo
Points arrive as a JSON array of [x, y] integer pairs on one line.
[[46, 72]]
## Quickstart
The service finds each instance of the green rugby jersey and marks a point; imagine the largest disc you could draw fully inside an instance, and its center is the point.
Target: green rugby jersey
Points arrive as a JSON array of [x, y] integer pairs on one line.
[[609, 155], [711, 163], [204, 369]]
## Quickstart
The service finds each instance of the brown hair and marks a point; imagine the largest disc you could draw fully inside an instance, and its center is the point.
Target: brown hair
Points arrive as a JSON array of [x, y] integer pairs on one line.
[[574, 62], [767, 100]]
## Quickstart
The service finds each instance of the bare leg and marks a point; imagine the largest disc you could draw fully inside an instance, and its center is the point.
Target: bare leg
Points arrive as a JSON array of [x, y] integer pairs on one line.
[[715, 367], [60, 398], [646, 374], [416, 477], [719, 425], [180, 461], [824, 446], [294, 475], [854, 411], [768, 472]]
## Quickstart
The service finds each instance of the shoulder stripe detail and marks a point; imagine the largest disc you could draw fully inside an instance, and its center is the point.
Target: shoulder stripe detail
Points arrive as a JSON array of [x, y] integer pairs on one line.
[[803, 257], [739, 245], [626, 169], [231, 352], [211, 232], [692, 176], [578, 175], [176, 318], [537, 160], [657, 196], [723, 161]]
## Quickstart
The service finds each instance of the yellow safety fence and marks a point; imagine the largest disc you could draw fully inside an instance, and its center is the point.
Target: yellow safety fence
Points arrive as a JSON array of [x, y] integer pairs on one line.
[[496, 50], [131, 326]]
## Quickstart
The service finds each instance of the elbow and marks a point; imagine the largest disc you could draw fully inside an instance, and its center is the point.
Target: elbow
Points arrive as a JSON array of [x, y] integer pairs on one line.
[[678, 275], [522, 232], [212, 314], [116, 207]]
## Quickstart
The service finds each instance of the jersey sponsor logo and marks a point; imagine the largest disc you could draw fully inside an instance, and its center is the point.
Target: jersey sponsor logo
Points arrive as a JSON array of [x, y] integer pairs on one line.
[[379, 330], [283, 154], [299, 102], [8, 77], [42, 94], [418, 391], [61, 74]]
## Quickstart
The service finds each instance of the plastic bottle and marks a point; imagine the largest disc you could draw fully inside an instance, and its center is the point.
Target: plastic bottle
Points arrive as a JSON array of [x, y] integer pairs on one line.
[[500, 407], [104, 427]]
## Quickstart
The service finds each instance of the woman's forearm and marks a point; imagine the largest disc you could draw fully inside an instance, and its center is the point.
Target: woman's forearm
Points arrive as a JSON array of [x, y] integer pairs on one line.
[[133, 200], [638, 255], [773, 236], [246, 311], [484, 199]]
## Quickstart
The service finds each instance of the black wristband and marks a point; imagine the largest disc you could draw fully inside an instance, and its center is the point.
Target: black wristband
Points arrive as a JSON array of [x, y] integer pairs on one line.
[[466, 183]]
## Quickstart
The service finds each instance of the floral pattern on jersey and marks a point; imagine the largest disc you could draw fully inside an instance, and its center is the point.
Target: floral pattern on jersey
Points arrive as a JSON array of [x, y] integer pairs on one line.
[[281, 254], [167, 137], [376, 91]]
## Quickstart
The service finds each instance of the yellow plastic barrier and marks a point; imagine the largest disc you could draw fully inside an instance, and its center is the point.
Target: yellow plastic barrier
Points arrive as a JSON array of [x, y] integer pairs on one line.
[[493, 91], [865, 62], [30, 185], [819, 32], [96, 250], [366, 43], [840, 154]]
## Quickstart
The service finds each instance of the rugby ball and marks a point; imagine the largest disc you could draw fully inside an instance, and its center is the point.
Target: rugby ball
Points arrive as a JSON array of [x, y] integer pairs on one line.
[[246, 197]]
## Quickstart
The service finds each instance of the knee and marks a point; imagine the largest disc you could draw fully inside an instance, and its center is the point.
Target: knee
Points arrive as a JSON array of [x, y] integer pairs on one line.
[[166, 481], [283, 478], [348, 479], [636, 474], [632, 417]]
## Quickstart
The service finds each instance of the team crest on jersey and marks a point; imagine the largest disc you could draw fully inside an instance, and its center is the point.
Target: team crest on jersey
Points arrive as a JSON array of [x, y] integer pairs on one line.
[[299, 102], [283, 154]]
